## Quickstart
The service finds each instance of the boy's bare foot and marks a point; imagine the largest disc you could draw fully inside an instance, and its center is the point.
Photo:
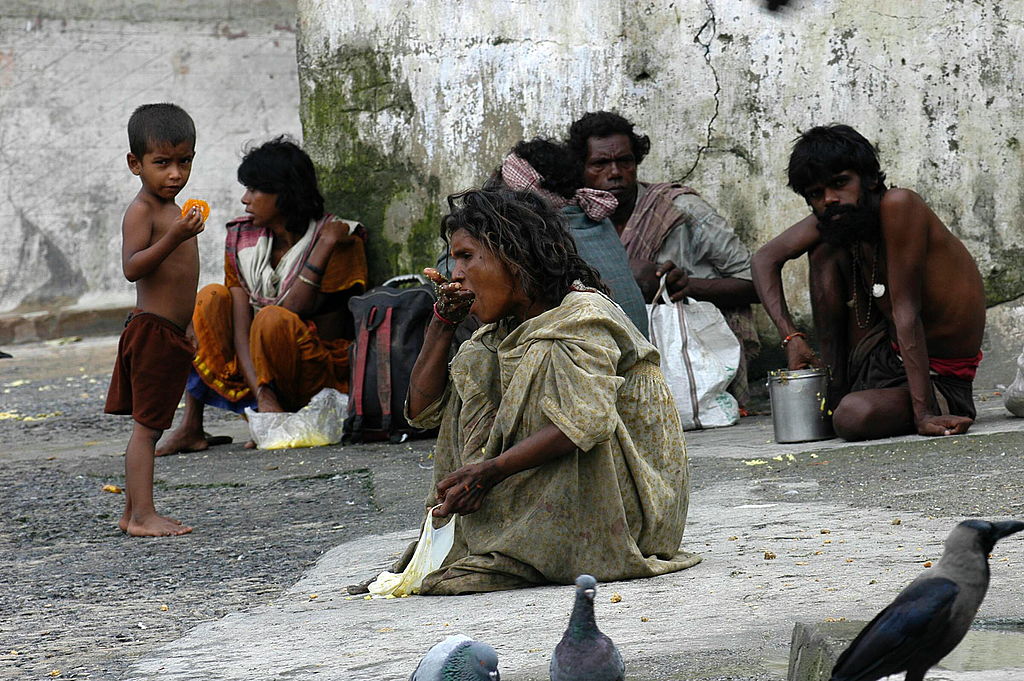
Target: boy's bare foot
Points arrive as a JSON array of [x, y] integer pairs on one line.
[[125, 521], [156, 526], [187, 441]]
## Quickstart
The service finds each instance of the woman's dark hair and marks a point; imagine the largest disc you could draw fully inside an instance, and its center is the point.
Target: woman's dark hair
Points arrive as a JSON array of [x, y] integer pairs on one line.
[[605, 124], [559, 170], [823, 151], [281, 167], [525, 234]]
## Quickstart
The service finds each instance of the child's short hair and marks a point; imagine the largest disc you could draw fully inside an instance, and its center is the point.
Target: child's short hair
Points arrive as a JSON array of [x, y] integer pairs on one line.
[[281, 167], [152, 123]]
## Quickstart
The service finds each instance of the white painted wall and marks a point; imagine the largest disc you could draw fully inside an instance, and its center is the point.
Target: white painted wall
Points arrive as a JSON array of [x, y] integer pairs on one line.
[[721, 86], [71, 72]]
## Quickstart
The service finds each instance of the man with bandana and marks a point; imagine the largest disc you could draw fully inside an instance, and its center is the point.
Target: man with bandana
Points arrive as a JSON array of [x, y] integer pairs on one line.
[[898, 302], [669, 231]]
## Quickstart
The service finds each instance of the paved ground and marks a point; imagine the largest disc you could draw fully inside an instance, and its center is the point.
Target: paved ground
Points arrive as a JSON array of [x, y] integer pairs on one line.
[[788, 533]]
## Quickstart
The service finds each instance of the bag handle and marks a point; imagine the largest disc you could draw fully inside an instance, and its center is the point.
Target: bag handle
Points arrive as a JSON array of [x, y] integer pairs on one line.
[[663, 290], [663, 293], [395, 282]]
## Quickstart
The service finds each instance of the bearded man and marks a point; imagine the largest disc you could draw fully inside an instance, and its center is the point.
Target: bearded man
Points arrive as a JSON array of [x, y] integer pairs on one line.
[[898, 302]]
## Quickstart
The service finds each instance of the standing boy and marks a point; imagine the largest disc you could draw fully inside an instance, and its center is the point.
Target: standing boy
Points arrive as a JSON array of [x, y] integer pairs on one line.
[[160, 254]]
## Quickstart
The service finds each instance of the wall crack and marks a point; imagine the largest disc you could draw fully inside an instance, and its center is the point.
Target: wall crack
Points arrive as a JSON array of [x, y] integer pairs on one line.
[[709, 27]]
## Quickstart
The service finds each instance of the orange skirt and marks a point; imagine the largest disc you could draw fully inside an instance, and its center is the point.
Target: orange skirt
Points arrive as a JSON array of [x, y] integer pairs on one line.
[[287, 352]]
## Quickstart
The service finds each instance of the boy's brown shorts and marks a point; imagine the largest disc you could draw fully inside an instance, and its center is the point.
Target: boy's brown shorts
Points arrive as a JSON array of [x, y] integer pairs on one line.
[[153, 360]]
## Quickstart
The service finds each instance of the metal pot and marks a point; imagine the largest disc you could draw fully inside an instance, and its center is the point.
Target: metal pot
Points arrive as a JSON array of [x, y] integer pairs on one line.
[[799, 413]]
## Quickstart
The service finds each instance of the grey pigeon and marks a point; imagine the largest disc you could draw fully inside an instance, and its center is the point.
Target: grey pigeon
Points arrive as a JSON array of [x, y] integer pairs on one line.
[[584, 653], [458, 658], [929, 617]]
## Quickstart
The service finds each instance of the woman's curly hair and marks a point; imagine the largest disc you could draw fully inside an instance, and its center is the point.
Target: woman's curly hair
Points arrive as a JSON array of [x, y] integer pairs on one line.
[[525, 234]]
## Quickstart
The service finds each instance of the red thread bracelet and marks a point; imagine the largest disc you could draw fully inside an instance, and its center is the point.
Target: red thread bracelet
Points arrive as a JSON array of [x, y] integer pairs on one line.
[[445, 321], [801, 334]]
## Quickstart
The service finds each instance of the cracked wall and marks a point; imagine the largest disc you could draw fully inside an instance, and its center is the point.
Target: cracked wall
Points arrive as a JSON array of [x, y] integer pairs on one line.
[[71, 72], [721, 86]]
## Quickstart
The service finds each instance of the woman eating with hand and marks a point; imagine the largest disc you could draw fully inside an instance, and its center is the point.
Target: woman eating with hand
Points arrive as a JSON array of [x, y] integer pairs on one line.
[[560, 447]]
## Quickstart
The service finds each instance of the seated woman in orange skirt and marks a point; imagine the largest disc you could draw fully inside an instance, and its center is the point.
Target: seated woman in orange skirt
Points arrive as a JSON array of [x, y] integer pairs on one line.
[[277, 331]]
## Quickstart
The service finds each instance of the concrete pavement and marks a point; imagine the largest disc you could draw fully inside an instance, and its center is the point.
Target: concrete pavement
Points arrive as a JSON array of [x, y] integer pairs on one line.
[[767, 564], [789, 533]]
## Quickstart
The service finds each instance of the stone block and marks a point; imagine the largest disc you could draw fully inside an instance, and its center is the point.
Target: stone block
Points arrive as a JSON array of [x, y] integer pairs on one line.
[[816, 646]]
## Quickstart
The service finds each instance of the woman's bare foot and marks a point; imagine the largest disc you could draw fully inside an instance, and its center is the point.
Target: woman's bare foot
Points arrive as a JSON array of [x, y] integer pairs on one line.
[[266, 400], [156, 526], [182, 439]]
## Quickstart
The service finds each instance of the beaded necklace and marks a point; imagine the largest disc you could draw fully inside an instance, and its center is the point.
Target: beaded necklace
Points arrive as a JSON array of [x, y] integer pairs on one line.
[[873, 290]]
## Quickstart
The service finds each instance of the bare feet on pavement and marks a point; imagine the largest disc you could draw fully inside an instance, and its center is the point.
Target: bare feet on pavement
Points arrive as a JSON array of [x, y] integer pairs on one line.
[[184, 440], [153, 526]]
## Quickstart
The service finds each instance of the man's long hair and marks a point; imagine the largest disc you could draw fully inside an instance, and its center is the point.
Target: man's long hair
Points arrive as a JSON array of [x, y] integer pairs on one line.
[[281, 167], [605, 124], [823, 151], [527, 236]]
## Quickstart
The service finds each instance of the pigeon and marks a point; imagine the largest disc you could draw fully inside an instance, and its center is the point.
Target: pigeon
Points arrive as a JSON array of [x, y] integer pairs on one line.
[[458, 658], [584, 653], [929, 617]]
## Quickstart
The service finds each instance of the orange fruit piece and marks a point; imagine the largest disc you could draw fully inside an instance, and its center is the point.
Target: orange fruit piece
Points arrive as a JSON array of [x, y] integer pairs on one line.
[[203, 206]]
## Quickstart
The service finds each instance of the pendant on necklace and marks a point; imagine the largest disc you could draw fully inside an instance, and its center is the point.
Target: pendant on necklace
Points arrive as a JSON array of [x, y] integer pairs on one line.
[[878, 290]]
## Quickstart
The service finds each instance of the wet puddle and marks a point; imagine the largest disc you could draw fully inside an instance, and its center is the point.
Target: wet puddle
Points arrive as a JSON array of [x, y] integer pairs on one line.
[[988, 648]]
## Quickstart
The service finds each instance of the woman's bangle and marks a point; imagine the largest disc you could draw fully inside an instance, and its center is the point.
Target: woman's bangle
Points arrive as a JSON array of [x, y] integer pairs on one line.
[[307, 280], [314, 269], [443, 319], [795, 334]]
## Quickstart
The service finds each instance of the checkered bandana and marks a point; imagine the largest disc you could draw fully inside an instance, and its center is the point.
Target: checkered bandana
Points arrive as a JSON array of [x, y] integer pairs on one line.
[[519, 175]]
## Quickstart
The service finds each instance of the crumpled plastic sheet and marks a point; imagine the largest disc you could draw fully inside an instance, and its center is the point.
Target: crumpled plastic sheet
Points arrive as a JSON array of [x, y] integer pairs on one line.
[[318, 423], [1013, 396], [431, 550]]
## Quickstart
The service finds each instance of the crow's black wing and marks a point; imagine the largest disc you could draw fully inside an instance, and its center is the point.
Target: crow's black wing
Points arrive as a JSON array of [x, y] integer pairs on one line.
[[907, 626]]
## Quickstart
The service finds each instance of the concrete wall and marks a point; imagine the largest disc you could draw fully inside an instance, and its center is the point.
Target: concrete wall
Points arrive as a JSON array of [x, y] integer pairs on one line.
[[403, 103], [71, 72]]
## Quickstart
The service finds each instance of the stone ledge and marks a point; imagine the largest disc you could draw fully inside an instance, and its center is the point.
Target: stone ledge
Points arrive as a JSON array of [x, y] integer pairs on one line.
[[33, 327], [991, 650]]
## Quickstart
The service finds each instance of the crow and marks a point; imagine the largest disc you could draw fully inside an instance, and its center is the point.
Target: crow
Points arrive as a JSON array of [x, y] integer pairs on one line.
[[931, 616]]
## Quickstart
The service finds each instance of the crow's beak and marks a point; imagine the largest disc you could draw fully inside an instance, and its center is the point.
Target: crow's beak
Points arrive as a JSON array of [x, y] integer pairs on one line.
[[1005, 528]]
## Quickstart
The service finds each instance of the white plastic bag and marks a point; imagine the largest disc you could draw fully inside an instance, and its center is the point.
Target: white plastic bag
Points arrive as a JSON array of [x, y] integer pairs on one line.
[[318, 423], [1013, 396], [699, 358], [431, 550]]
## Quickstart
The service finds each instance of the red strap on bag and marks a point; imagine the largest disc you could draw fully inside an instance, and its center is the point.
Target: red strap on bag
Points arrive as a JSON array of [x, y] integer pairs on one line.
[[384, 368], [361, 343]]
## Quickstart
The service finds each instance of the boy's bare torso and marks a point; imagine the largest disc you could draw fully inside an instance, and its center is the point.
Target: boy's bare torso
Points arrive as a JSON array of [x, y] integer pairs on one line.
[[169, 291]]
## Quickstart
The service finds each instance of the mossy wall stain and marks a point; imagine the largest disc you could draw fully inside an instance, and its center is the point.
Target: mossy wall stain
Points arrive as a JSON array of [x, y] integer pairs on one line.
[[1005, 280], [343, 96]]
